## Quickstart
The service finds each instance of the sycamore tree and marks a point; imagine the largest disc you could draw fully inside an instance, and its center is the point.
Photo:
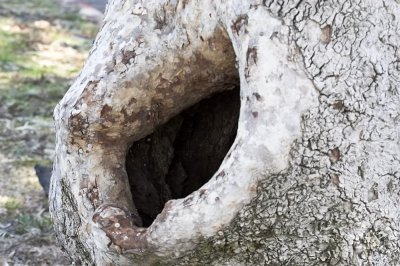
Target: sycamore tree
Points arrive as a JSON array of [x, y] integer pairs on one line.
[[233, 132]]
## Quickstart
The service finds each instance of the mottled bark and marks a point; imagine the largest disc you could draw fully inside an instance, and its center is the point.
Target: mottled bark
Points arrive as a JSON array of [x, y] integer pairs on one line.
[[312, 176]]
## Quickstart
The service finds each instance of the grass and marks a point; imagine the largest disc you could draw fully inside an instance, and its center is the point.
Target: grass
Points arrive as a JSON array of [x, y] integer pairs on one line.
[[26, 85], [12, 205], [48, 8], [31, 163], [42, 49], [34, 97], [26, 223], [37, 54], [11, 45]]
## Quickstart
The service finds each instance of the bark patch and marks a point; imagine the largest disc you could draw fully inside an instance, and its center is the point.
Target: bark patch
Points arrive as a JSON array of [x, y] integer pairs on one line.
[[326, 34], [334, 155], [118, 225]]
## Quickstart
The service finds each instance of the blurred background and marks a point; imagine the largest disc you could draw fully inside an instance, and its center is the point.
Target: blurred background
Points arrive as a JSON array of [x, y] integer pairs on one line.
[[43, 45]]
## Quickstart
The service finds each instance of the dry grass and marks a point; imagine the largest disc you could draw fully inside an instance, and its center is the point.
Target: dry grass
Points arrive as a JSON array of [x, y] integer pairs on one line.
[[42, 49]]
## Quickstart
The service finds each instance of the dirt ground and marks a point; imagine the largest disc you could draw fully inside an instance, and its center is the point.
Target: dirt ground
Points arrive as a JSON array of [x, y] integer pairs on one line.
[[42, 48]]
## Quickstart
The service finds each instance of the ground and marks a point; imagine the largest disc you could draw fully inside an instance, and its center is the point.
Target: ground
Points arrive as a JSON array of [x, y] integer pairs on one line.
[[42, 48]]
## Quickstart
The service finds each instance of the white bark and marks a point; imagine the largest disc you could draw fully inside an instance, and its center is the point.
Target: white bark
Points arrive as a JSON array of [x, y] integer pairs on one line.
[[312, 177]]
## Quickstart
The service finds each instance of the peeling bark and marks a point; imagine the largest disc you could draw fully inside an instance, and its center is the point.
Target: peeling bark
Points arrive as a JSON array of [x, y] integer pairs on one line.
[[312, 175]]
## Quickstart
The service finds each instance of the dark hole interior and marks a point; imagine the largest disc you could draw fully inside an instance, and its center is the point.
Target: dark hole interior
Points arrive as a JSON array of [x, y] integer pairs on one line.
[[183, 154]]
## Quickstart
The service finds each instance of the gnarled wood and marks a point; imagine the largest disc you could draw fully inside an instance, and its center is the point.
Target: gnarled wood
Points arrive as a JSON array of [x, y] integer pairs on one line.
[[311, 176]]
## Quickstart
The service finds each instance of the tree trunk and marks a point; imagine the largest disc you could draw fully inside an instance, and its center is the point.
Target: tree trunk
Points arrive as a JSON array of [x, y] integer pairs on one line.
[[160, 160]]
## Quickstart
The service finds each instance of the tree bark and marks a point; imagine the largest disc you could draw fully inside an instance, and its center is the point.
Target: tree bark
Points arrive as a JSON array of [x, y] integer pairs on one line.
[[150, 169]]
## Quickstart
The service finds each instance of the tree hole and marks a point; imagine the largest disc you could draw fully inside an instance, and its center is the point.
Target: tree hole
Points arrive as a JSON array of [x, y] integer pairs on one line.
[[183, 154]]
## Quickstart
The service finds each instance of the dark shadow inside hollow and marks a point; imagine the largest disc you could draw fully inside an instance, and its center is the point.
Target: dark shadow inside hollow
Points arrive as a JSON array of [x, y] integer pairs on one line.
[[183, 154]]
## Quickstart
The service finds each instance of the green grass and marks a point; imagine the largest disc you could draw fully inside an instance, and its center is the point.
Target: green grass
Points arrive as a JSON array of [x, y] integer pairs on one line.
[[34, 97], [12, 205], [25, 223], [11, 47], [42, 48], [33, 76], [37, 7], [79, 26], [32, 162]]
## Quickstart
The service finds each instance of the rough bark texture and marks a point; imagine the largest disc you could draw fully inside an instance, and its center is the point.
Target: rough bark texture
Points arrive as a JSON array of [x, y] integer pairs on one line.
[[312, 177]]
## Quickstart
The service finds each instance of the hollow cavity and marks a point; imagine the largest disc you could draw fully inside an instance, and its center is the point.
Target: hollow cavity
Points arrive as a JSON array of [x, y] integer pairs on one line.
[[183, 154]]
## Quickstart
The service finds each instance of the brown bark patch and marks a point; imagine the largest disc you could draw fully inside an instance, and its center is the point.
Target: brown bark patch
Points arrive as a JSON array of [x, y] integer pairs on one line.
[[338, 105], [105, 110], [239, 23], [334, 155], [326, 34], [335, 179], [119, 226]]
